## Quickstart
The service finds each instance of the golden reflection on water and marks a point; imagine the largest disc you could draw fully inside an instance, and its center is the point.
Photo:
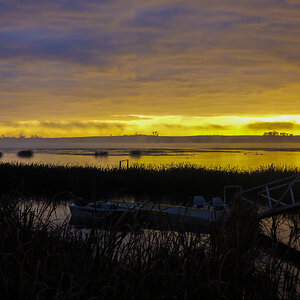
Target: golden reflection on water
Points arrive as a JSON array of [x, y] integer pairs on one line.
[[241, 159]]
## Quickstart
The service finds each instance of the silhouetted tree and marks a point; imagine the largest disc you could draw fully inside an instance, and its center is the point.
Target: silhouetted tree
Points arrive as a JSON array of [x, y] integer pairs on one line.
[[275, 133]]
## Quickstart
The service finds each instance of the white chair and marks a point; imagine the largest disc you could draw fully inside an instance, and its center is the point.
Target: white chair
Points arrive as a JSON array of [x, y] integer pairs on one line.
[[217, 202], [199, 201]]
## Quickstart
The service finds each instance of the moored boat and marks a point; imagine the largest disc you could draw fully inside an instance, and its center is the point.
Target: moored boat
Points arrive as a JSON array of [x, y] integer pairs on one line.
[[200, 212]]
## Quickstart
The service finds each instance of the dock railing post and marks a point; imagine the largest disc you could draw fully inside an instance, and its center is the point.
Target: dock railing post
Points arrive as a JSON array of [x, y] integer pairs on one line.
[[121, 161], [292, 195], [268, 194]]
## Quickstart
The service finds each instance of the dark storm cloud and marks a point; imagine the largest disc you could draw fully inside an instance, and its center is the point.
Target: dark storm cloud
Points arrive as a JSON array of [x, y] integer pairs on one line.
[[74, 30], [72, 47]]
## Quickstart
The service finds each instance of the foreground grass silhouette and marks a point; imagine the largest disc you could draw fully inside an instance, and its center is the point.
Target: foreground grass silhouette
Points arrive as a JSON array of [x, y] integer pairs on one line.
[[43, 260]]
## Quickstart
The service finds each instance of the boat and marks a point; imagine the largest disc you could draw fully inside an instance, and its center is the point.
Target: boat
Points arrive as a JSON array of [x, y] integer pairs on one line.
[[201, 212]]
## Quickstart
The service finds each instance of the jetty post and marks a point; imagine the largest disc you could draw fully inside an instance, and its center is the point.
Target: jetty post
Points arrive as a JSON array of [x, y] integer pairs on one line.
[[121, 161]]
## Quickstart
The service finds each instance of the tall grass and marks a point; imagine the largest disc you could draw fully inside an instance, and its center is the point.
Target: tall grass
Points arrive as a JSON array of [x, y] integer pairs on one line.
[[165, 183], [39, 260]]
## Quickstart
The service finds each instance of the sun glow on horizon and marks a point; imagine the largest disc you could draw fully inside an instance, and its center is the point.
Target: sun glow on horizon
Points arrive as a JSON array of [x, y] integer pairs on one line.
[[163, 125]]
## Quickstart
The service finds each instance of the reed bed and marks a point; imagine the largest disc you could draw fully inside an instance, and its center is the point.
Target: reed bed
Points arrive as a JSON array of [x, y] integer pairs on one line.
[[172, 183], [42, 260]]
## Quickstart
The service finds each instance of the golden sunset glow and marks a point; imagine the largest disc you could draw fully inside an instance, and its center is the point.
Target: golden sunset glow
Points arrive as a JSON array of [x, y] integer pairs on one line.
[[91, 68], [165, 126]]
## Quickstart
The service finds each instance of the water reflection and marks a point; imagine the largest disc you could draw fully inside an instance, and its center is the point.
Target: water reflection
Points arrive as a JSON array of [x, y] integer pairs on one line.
[[283, 228], [241, 159]]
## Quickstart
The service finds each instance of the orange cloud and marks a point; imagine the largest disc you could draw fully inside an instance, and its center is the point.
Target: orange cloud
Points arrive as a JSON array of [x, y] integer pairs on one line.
[[111, 61]]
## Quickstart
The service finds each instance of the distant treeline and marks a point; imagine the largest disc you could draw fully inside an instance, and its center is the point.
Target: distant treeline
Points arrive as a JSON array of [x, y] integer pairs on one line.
[[276, 133]]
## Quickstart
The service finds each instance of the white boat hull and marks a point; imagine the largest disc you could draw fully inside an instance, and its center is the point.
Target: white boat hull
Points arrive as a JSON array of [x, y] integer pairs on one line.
[[150, 212]]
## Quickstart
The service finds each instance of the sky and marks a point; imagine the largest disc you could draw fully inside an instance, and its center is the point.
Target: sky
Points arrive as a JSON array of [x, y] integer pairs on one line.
[[113, 67]]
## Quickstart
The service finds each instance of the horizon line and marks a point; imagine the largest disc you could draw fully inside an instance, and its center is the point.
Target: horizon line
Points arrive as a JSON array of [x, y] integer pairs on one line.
[[147, 135]]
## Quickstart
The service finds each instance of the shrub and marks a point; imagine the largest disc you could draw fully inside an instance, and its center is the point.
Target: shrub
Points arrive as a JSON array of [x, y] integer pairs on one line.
[[25, 153]]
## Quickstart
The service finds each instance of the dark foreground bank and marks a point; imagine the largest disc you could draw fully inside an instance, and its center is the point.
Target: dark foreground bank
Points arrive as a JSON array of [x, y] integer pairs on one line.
[[39, 260]]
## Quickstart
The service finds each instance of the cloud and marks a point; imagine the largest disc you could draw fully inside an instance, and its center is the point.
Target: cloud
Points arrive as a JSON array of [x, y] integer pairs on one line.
[[88, 59], [62, 128], [63, 124], [273, 126], [130, 118], [197, 127], [168, 125]]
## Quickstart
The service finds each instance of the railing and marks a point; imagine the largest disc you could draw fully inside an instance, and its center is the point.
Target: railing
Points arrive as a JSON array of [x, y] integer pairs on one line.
[[273, 198]]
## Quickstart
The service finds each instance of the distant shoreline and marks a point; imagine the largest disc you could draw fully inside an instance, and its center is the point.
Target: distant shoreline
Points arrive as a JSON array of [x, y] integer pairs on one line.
[[150, 151], [277, 143]]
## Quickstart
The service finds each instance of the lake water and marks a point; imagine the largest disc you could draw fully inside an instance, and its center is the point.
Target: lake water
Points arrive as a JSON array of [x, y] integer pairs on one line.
[[246, 159], [285, 226]]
